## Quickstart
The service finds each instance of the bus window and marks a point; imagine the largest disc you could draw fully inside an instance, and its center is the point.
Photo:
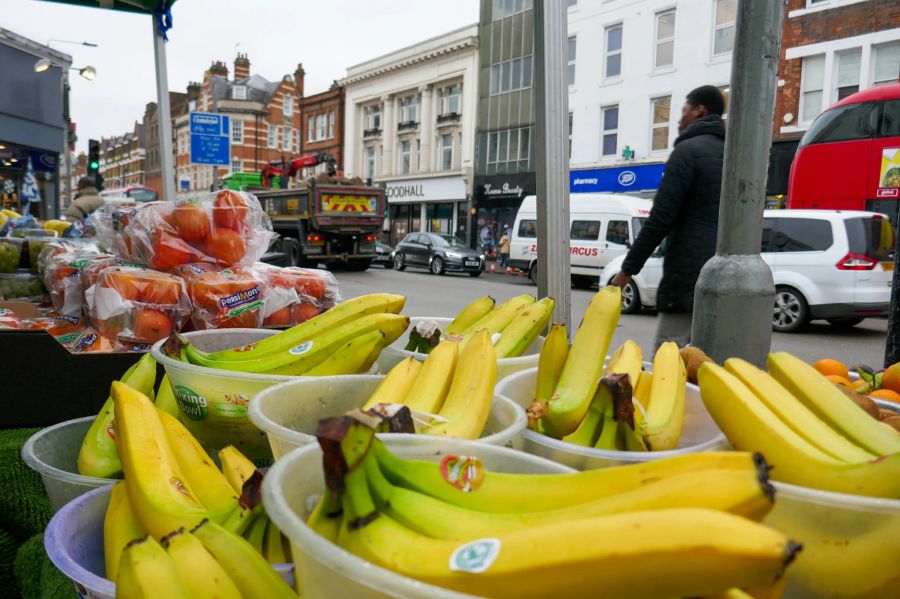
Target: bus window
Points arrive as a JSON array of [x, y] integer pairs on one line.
[[844, 123], [890, 121]]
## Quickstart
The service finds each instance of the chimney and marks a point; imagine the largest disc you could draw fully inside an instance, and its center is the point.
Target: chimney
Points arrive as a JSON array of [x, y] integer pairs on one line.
[[299, 74], [241, 67], [219, 68], [193, 90]]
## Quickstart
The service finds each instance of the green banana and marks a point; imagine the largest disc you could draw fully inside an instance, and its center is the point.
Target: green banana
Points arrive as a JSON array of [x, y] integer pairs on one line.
[[524, 329], [325, 518], [256, 532], [594, 421], [470, 315], [274, 548]]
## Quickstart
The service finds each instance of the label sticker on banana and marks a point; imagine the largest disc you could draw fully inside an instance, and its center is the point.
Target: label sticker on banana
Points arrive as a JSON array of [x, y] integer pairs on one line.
[[192, 404], [301, 349], [462, 472], [475, 557]]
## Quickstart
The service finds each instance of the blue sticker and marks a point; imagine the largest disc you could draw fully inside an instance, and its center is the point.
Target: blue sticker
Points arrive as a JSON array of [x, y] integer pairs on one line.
[[475, 557]]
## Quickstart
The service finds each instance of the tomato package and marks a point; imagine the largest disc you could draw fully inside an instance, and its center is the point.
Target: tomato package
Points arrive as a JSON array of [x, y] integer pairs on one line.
[[111, 223], [294, 295], [228, 228], [137, 305], [63, 278], [223, 299]]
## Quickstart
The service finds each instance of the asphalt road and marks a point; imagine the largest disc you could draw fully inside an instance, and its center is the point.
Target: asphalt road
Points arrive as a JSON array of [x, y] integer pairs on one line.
[[429, 295]]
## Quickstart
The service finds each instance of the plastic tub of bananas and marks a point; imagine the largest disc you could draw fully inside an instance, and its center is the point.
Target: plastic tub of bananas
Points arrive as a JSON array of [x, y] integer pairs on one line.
[[74, 541]]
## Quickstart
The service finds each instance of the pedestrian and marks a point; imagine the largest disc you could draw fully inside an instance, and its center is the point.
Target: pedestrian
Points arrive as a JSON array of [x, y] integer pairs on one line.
[[87, 199], [504, 249], [487, 239], [685, 212]]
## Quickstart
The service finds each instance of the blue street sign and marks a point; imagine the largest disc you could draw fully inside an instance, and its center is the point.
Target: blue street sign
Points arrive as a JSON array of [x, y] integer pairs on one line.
[[635, 177], [210, 139]]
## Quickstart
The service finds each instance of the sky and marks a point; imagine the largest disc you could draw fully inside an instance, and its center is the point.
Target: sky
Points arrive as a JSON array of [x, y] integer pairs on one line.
[[327, 36]]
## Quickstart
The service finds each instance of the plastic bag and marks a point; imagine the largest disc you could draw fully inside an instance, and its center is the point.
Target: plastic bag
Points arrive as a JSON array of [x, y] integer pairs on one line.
[[227, 228], [110, 223], [63, 280], [137, 305], [294, 295], [223, 299]]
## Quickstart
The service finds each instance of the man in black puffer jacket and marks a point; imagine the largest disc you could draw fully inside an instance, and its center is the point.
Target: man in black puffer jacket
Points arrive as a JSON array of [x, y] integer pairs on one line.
[[685, 213]]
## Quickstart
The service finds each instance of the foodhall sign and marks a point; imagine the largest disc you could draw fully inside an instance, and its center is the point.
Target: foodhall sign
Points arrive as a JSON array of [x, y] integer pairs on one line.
[[435, 189]]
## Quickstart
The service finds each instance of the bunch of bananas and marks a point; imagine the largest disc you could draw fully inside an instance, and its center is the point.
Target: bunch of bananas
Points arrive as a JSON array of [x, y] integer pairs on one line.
[[812, 433], [691, 520], [172, 486], [517, 323], [455, 385], [346, 339]]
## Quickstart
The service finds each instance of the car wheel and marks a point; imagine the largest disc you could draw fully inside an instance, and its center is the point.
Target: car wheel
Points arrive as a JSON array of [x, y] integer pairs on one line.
[[437, 266], [790, 312], [475, 274], [532, 273], [845, 323], [398, 262], [388, 265], [631, 299], [582, 282]]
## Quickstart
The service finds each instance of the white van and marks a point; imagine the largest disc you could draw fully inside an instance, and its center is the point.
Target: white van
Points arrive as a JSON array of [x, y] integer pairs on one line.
[[603, 226]]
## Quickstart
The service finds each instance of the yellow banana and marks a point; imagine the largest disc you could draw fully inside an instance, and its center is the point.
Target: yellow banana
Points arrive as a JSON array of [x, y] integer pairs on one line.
[[793, 413], [550, 364], [428, 392], [751, 426], [730, 594], [496, 320], [396, 384], [165, 397], [147, 572], [470, 315], [831, 405], [120, 527], [524, 329], [642, 391], [579, 377], [325, 518], [661, 427], [274, 546], [256, 532], [236, 467], [609, 431], [201, 573], [471, 393], [587, 432], [352, 357]]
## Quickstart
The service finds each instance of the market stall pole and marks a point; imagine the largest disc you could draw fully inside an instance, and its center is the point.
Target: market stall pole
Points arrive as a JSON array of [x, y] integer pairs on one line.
[[892, 341], [166, 157], [735, 293], [551, 126]]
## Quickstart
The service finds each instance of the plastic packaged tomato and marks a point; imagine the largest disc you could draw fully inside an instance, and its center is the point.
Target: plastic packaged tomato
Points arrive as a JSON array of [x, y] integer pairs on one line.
[[63, 278], [224, 299], [294, 295], [111, 226], [137, 305]]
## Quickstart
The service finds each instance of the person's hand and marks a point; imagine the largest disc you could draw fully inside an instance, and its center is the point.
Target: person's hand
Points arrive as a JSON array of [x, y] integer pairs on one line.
[[621, 279]]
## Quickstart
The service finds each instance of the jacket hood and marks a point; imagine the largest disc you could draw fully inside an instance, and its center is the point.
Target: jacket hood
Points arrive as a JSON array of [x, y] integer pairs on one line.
[[87, 191], [709, 125]]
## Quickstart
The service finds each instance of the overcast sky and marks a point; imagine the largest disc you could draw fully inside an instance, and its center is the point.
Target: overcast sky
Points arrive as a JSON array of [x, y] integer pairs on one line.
[[327, 36]]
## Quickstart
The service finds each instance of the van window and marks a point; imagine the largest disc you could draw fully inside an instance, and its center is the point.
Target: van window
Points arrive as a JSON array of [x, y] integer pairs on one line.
[[871, 237], [844, 123], [768, 234], [585, 230], [801, 235], [528, 229], [636, 225], [617, 232], [890, 121]]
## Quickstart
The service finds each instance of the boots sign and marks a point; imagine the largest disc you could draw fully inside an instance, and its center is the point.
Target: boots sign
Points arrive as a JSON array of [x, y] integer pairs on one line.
[[434, 189]]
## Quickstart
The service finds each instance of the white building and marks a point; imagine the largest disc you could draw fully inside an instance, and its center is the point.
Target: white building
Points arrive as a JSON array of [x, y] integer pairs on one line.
[[631, 64], [410, 124]]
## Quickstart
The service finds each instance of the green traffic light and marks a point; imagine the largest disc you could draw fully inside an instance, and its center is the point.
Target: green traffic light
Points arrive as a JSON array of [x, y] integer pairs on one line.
[[94, 165]]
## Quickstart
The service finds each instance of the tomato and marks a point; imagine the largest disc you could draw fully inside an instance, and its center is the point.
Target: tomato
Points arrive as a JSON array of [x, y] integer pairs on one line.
[[62, 272], [229, 210], [170, 251], [191, 221], [303, 312], [311, 286], [226, 245], [125, 284], [150, 325], [215, 294], [159, 291], [279, 318]]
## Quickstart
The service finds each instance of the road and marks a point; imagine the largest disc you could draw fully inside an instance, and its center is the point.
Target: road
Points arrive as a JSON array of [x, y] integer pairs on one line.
[[429, 295]]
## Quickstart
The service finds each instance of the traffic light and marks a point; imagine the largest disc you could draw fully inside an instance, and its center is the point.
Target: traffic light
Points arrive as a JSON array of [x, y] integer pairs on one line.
[[93, 165]]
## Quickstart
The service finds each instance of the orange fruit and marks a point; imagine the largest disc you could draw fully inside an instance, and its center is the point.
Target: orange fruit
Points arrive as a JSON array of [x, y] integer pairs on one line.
[[828, 366], [886, 394], [891, 378], [838, 380], [857, 384]]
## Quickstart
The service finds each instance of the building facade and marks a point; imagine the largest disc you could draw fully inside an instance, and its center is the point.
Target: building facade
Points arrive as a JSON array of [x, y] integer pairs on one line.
[[123, 159], [153, 170], [321, 123], [409, 124]]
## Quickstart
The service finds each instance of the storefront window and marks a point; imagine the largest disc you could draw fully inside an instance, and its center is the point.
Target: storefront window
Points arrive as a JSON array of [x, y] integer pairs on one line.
[[399, 222], [440, 218], [415, 217]]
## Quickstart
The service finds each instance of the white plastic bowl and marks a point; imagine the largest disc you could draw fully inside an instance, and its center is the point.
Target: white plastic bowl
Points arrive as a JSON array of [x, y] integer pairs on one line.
[[325, 570], [394, 353], [289, 413], [699, 433]]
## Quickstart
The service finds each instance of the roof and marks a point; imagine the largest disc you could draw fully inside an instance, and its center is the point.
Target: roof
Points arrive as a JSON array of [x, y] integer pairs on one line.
[[820, 214], [21, 42], [598, 202], [873, 94]]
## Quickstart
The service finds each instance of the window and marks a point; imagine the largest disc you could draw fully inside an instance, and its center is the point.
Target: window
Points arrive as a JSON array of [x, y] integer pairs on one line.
[[571, 119], [665, 39], [571, 3], [526, 72], [239, 92], [572, 60], [507, 8], [871, 237], [661, 108], [405, 157], [613, 60], [418, 164], [844, 123], [890, 120], [610, 134], [320, 127], [446, 152], [310, 128], [512, 75], [887, 64], [528, 229], [723, 28], [237, 131], [847, 73], [373, 116], [370, 162], [800, 235], [811, 84], [235, 165], [273, 139], [617, 232], [287, 108], [287, 139], [448, 99], [585, 230], [192, 105], [409, 109], [331, 125], [510, 147]]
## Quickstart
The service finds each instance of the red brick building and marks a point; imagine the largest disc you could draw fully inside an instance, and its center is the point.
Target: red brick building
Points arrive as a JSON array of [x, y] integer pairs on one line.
[[322, 118], [177, 106]]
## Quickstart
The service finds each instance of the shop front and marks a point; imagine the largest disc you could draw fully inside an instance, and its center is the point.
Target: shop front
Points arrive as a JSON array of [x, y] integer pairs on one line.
[[497, 199], [638, 179], [426, 204]]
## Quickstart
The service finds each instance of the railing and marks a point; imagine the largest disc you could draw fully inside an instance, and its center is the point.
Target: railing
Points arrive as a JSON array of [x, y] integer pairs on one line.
[[406, 125], [448, 117], [373, 132]]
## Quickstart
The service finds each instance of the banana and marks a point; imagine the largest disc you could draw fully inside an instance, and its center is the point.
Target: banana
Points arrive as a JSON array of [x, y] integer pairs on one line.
[[587, 432], [256, 532], [579, 377], [468, 403], [730, 594], [98, 456], [236, 467], [249, 570], [396, 384], [210, 486], [831, 405], [357, 307], [428, 392], [796, 415], [120, 527], [201, 573], [550, 364], [642, 389], [165, 397], [524, 329], [273, 548], [356, 355], [661, 427], [496, 320], [470, 315], [159, 495], [147, 572], [751, 426], [609, 431], [325, 518]]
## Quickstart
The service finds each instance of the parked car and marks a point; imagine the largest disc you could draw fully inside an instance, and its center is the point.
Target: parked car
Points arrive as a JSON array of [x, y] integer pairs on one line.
[[827, 264], [438, 253], [384, 255]]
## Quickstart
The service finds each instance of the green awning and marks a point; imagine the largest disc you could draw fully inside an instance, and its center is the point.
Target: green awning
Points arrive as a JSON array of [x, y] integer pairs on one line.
[[139, 6]]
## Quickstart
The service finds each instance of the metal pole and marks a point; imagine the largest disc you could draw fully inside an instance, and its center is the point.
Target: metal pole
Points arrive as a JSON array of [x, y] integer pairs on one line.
[[551, 103], [892, 341], [166, 166], [735, 292], [67, 137]]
